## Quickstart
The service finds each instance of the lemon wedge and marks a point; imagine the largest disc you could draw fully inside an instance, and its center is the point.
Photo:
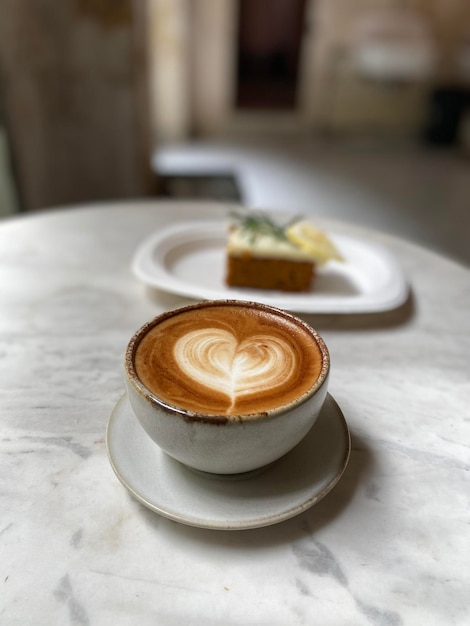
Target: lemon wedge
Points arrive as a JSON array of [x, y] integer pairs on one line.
[[314, 241]]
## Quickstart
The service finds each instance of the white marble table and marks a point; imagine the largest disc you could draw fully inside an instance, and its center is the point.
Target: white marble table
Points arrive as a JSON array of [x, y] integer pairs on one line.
[[390, 545]]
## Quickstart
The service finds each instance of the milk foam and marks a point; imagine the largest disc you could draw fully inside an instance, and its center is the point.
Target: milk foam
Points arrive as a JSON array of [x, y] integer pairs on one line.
[[234, 359], [215, 358]]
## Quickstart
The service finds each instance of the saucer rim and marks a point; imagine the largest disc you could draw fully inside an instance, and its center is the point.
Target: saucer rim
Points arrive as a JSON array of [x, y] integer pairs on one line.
[[245, 523]]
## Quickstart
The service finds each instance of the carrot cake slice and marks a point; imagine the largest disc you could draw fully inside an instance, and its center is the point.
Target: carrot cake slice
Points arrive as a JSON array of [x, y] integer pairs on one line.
[[266, 255]]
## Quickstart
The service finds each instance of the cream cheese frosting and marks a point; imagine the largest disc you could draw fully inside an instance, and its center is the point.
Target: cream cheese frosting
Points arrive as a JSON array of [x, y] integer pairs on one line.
[[264, 246]]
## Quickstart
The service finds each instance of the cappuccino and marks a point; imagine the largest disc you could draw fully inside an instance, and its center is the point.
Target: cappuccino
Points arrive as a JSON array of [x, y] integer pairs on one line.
[[228, 358]]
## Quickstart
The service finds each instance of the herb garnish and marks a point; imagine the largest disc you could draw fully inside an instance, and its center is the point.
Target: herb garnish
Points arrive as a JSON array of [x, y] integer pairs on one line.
[[256, 224]]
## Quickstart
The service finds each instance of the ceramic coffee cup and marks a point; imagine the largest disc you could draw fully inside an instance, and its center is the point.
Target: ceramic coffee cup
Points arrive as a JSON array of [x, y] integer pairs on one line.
[[227, 386]]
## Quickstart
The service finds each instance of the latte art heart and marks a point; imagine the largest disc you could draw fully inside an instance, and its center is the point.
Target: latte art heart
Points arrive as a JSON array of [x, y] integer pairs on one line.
[[215, 358], [228, 359]]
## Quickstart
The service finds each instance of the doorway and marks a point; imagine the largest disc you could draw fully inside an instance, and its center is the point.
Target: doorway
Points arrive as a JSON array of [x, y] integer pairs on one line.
[[269, 43]]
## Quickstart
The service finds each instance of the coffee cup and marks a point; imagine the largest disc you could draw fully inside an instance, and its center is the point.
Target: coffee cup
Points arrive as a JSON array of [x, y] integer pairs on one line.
[[226, 386]]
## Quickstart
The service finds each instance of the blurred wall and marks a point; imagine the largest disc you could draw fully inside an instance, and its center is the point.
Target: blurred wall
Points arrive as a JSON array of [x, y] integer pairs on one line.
[[192, 66], [336, 96], [73, 79], [194, 59]]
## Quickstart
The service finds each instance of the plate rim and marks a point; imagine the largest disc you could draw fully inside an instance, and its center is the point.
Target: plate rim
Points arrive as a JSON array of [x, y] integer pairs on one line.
[[245, 524], [303, 303]]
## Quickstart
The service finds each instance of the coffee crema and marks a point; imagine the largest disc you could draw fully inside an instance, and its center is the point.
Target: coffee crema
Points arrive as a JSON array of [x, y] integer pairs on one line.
[[228, 359]]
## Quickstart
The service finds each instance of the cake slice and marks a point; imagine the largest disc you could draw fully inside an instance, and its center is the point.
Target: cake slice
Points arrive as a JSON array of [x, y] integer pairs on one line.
[[266, 255]]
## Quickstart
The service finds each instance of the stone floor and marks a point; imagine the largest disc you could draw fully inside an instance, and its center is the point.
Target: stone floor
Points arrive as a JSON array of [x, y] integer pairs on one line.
[[417, 193], [414, 192]]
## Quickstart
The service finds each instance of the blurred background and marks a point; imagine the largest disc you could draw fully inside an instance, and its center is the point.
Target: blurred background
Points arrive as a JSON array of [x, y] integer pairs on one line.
[[355, 110]]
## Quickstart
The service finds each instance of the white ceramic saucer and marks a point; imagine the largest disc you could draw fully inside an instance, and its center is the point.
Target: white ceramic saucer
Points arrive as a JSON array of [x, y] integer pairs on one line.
[[286, 488]]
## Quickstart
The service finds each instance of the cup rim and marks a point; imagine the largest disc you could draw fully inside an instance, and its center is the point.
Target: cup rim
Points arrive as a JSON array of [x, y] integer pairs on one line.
[[195, 416]]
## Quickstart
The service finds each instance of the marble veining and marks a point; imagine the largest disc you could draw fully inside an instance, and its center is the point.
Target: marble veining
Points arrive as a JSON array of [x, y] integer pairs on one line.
[[387, 547], [318, 559], [64, 593], [64, 442]]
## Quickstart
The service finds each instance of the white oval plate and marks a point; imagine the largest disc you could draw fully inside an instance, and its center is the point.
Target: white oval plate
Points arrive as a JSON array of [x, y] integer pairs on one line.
[[284, 489], [188, 259]]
